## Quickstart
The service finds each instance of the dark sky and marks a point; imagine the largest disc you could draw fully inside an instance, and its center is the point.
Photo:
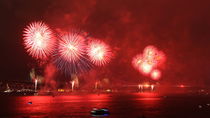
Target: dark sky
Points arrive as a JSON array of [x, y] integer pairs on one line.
[[180, 28]]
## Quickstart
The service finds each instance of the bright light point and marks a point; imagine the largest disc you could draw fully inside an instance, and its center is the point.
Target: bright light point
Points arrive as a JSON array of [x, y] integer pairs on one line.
[[152, 87], [139, 61], [39, 40], [140, 86], [71, 47], [155, 74], [146, 85], [146, 68], [182, 86], [99, 53], [39, 43], [38, 36]]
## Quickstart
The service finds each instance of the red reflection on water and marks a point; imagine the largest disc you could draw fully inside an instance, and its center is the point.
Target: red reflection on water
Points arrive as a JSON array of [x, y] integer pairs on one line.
[[81, 105], [182, 86], [148, 100], [33, 106], [37, 99], [48, 105], [147, 94], [97, 96], [149, 103], [98, 100]]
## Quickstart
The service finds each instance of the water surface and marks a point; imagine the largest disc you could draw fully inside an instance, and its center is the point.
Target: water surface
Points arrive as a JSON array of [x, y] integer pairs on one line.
[[126, 105]]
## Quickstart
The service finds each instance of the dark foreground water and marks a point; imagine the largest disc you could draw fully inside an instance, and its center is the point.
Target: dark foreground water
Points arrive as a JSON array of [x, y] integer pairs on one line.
[[135, 105]]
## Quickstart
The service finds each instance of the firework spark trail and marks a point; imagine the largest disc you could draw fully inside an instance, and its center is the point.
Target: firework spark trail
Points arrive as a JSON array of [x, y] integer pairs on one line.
[[99, 52], [80, 66], [72, 47], [70, 56], [38, 40]]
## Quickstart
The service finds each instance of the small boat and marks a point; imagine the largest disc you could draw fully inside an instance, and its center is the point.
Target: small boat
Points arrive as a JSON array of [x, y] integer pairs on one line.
[[100, 112], [29, 102]]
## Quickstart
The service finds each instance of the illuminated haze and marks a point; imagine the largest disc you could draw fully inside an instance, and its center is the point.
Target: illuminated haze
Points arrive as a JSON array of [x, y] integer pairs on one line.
[[181, 29]]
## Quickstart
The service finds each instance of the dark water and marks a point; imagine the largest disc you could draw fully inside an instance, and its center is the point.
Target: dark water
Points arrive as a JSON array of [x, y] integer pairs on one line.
[[135, 105]]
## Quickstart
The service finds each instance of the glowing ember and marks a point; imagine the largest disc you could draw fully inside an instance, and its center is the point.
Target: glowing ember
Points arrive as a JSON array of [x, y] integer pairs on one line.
[[38, 40], [155, 74], [99, 53]]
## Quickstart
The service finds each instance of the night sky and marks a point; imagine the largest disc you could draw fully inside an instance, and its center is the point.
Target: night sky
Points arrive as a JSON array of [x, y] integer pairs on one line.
[[180, 28]]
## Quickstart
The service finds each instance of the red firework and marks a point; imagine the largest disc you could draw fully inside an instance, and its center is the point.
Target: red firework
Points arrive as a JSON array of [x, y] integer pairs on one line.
[[146, 68], [38, 40], [141, 64], [137, 60], [150, 59], [71, 47], [155, 74], [99, 52], [150, 55], [150, 52], [70, 57]]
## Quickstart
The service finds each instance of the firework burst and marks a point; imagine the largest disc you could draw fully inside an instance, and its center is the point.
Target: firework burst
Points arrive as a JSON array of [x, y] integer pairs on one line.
[[71, 47], [147, 62], [38, 40], [70, 56], [99, 52]]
